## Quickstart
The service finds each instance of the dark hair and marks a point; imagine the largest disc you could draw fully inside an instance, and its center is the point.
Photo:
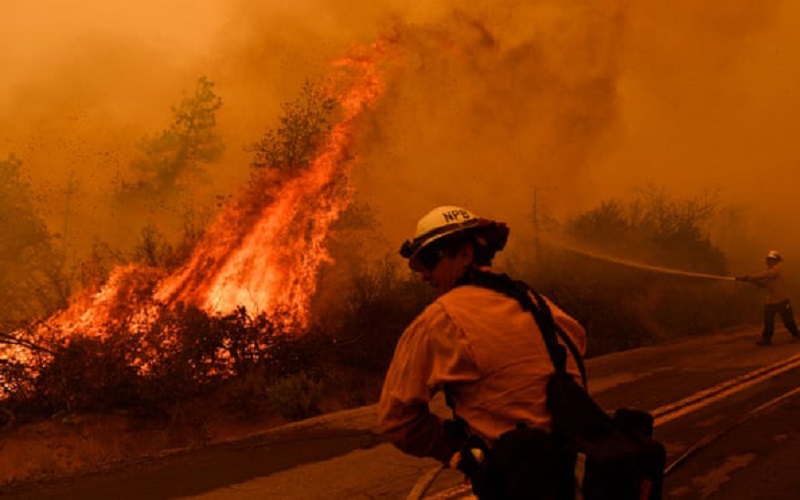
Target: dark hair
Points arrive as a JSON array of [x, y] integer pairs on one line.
[[482, 254]]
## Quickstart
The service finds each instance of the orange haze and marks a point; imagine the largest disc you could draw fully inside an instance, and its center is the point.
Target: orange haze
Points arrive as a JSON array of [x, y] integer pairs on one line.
[[579, 100]]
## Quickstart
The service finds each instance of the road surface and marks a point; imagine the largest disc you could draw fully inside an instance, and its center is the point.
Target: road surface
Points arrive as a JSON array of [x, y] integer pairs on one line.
[[342, 456]]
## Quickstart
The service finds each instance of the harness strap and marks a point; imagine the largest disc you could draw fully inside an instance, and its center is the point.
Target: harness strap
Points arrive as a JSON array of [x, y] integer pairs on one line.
[[551, 331], [549, 320]]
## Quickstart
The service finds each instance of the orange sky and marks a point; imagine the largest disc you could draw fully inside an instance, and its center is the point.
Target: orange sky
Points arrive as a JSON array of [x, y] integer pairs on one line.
[[583, 100]]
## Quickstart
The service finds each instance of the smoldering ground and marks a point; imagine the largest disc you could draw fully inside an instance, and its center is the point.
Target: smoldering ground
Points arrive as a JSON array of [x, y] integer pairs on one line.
[[493, 101]]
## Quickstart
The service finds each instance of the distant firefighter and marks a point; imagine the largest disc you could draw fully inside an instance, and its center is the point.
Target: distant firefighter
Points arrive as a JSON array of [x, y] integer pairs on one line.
[[777, 300]]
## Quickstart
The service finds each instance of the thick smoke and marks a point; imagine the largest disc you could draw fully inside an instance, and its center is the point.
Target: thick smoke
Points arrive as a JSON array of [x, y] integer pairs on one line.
[[578, 101]]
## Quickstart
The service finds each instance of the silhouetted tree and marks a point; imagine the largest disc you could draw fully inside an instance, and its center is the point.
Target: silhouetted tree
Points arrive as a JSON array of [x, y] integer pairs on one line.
[[31, 278], [624, 306], [303, 125], [654, 227], [158, 202], [176, 156]]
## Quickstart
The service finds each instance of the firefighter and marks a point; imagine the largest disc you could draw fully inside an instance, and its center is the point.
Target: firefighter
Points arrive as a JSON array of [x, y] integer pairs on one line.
[[477, 345], [777, 298]]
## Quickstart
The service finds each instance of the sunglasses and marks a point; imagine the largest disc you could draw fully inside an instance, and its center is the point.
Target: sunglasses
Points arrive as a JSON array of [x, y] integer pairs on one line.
[[430, 258]]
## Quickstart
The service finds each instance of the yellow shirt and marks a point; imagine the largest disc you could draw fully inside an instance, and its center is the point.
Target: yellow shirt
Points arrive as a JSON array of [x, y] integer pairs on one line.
[[490, 354]]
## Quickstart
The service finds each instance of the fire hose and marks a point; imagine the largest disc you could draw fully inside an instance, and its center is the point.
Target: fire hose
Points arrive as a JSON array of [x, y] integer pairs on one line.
[[425, 482]]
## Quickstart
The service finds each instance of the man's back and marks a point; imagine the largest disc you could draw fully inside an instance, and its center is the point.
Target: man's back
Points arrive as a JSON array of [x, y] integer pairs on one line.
[[489, 354]]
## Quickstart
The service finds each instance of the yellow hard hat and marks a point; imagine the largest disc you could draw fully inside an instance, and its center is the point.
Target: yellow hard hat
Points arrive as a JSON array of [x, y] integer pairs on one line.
[[448, 220]]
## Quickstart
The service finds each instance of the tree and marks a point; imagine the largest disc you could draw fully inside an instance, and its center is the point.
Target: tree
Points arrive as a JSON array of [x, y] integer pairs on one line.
[[31, 278], [176, 156], [626, 306], [654, 227], [170, 171], [293, 144]]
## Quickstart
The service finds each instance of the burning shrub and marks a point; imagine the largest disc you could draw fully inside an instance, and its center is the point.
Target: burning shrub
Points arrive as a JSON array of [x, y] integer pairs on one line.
[[193, 352], [379, 306], [15, 382], [262, 251], [87, 374], [251, 341], [303, 125], [154, 249], [181, 356], [172, 356]]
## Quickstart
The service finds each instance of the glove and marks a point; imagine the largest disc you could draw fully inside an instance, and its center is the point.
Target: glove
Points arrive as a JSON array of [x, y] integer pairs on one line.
[[472, 461], [471, 457]]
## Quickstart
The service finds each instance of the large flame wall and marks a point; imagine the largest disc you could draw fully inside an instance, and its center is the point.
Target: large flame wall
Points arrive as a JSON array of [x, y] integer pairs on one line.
[[264, 250]]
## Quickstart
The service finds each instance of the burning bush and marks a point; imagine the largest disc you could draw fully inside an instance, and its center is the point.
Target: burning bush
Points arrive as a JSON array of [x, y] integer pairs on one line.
[[86, 375], [155, 334], [379, 306], [182, 355], [253, 363], [293, 145]]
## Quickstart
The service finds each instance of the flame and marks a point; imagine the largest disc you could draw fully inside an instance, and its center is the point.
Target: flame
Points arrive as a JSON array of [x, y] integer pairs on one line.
[[272, 264], [263, 251]]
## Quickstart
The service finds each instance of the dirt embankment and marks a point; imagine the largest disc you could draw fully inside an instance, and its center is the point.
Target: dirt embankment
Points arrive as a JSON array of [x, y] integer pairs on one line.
[[68, 444]]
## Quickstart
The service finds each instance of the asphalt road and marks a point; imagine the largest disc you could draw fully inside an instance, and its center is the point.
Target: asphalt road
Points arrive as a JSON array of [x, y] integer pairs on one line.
[[342, 455]]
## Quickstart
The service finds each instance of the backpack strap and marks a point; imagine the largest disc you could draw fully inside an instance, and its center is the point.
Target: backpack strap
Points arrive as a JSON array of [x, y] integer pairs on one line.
[[548, 319], [551, 331]]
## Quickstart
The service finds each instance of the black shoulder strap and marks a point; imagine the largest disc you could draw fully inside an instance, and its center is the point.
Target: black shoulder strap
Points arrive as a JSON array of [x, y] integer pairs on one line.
[[551, 331], [548, 319]]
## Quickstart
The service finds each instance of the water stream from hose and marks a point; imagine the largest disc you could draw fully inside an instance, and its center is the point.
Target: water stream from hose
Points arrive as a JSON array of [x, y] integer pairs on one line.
[[637, 265]]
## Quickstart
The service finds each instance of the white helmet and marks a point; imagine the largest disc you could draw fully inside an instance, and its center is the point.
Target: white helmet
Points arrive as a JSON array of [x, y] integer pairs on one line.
[[448, 220], [774, 255]]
